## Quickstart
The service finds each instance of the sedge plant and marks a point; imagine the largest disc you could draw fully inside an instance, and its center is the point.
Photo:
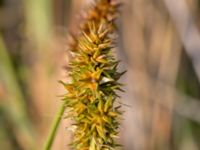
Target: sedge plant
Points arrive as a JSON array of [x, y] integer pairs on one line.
[[91, 98]]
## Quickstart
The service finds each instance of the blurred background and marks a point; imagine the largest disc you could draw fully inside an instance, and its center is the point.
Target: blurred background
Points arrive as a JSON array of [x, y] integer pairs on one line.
[[159, 45]]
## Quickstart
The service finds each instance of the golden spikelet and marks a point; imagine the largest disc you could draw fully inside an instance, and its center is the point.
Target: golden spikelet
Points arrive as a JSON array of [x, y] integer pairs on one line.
[[92, 94]]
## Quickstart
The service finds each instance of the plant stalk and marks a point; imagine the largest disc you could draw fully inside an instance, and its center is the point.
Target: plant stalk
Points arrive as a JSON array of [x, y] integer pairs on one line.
[[54, 127]]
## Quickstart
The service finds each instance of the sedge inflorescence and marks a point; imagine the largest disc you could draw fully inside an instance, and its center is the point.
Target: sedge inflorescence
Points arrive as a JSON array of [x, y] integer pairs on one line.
[[91, 94]]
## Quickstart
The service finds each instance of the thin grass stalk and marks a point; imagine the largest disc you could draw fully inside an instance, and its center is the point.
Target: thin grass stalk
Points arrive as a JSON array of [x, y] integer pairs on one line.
[[54, 127]]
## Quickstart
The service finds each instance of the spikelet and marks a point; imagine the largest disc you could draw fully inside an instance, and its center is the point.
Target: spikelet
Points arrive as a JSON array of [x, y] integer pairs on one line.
[[91, 94]]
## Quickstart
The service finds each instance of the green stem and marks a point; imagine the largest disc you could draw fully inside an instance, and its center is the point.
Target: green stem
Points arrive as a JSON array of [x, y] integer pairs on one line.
[[54, 127]]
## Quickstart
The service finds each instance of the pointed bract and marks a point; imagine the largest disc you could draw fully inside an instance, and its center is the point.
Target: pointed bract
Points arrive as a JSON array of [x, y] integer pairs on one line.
[[91, 94]]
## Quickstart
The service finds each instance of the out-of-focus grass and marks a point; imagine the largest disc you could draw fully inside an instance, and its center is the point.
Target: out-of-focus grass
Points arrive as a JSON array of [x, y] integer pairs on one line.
[[39, 20], [34, 64], [13, 107]]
